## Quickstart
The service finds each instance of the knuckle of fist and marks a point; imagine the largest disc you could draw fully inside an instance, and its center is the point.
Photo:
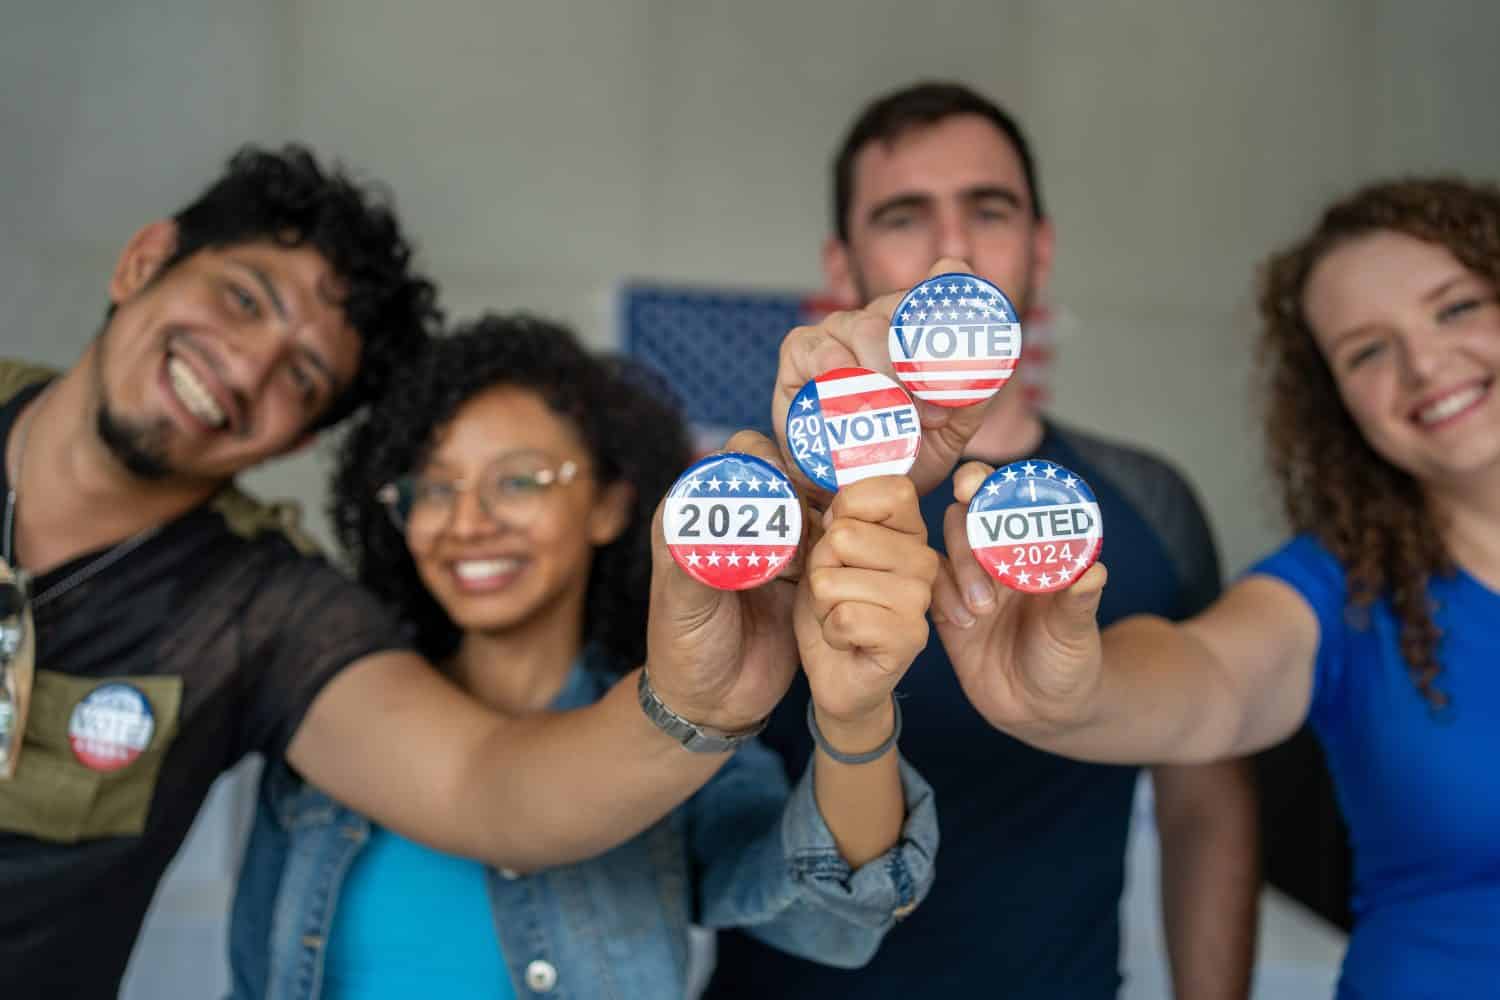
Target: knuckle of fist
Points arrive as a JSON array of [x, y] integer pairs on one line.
[[903, 491], [819, 581], [917, 597], [919, 635], [867, 323], [843, 619], [925, 563], [842, 536]]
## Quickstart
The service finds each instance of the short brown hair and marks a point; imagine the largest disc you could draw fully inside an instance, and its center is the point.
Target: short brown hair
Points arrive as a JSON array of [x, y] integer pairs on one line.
[[889, 117]]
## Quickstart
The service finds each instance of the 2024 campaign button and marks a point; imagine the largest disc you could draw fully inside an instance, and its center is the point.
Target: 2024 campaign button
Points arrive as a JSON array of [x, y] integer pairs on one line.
[[732, 521], [850, 424], [1035, 526], [110, 727], [955, 340]]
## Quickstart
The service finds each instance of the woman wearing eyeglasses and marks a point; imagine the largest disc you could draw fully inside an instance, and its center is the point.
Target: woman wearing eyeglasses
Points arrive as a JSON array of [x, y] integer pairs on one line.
[[501, 498]]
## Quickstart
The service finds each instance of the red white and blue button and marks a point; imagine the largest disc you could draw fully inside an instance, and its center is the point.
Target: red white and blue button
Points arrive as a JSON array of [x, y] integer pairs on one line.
[[955, 340], [1035, 526], [732, 521], [850, 424], [110, 727]]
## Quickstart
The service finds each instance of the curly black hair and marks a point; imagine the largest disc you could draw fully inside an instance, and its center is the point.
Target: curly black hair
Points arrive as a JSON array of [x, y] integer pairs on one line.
[[285, 197], [632, 433]]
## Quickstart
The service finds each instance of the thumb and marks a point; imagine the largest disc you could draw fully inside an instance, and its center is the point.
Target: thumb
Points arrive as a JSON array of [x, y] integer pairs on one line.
[[674, 593], [1074, 612]]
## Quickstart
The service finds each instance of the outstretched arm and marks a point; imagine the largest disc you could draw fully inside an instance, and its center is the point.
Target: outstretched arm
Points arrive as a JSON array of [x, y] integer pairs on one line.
[[1232, 680], [393, 739]]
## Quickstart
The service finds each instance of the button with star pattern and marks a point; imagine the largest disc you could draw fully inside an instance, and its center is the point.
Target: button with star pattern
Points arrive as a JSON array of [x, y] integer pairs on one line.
[[1035, 526], [110, 727], [732, 521], [955, 340], [850, 424]]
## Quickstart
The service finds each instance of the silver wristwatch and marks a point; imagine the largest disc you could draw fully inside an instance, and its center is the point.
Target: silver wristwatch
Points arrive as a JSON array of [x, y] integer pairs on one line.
[[698, 739]]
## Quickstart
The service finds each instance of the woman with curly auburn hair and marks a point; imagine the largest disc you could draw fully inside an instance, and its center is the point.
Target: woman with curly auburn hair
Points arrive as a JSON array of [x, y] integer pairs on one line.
[[1378, 624], [500, 498]]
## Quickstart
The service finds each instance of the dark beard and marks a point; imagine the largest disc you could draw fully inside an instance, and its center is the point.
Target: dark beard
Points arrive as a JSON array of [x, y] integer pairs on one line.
[[141, 449]]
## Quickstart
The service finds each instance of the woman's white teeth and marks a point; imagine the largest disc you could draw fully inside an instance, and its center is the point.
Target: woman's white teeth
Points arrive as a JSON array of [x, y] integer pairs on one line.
[[482, 569], [1450, 405], [198, 400]]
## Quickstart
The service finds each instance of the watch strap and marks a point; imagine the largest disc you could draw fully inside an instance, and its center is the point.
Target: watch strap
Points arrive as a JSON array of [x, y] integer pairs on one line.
[[698, 739]]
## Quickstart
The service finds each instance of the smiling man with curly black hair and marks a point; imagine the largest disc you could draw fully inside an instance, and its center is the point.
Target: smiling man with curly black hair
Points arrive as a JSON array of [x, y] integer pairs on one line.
[[168, 645]]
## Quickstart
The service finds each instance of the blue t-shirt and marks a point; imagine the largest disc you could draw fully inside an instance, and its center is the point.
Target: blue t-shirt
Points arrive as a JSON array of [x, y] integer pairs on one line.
[[1032, 864], [414, 922], [1419, 791]]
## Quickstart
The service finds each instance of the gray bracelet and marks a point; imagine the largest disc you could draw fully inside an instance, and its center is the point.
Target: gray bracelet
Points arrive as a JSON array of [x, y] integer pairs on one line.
[[854, 758]]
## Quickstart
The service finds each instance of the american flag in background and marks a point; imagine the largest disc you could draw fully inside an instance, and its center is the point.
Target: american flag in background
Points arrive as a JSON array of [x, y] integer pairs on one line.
[[717, 348]]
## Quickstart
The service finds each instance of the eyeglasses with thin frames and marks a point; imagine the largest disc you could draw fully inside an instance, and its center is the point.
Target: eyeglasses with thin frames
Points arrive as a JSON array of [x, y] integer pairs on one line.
[[512, 490]]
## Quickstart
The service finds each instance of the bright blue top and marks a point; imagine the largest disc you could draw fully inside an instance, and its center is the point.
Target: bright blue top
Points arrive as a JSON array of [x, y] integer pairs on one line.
[[414, 922], [747, 850], [1419, 791]]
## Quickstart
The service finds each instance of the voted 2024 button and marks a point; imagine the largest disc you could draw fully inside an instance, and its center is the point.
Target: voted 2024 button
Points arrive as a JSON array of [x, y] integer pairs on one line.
[[850, 424], [955, 340], [732, 521], [1035, 526]]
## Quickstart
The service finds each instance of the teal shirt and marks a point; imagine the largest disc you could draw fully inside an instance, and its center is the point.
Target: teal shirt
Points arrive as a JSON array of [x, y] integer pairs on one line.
[[413, 922]]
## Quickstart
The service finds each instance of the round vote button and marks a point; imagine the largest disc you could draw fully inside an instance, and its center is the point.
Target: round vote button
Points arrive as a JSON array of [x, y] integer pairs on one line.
[[1035, 526], [111, 727], [732, 521], [955, 340], [850, 424]]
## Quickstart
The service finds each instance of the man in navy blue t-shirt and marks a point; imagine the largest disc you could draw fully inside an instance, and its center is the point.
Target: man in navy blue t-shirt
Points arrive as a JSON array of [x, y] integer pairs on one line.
[[1032, 860]]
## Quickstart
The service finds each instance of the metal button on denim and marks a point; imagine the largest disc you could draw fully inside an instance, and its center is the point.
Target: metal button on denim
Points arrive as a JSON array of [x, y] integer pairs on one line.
[[541, 976], [509, 874]]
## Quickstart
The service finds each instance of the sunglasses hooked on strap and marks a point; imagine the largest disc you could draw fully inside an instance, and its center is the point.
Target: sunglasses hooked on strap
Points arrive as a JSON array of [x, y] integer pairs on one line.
[[17, 661]]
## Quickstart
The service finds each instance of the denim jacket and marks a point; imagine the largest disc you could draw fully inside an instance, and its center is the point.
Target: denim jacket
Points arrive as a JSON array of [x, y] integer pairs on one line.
[[745, 851]]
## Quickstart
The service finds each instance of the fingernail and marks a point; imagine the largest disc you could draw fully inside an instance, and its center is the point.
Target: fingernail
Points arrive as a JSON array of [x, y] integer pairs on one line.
[[980, 595], [827, 516], [960, 616]]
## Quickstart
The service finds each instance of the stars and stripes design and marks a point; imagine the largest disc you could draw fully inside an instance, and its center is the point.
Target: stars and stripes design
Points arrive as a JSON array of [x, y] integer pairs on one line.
[[955, 340], [111, 727], [1035, 526], [732, 521], [850, 424]]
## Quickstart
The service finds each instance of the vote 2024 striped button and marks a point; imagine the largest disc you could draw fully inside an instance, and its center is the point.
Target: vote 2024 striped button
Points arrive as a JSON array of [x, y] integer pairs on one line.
[[850, 424], [955, 340], [732, 521], [1035, 526]]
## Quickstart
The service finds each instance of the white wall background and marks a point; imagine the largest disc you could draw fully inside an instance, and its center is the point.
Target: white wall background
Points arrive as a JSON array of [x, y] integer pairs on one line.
[[543, 151]]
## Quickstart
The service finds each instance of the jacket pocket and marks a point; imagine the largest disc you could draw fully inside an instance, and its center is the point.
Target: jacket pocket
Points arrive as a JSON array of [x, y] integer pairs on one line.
[[54, 795]]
